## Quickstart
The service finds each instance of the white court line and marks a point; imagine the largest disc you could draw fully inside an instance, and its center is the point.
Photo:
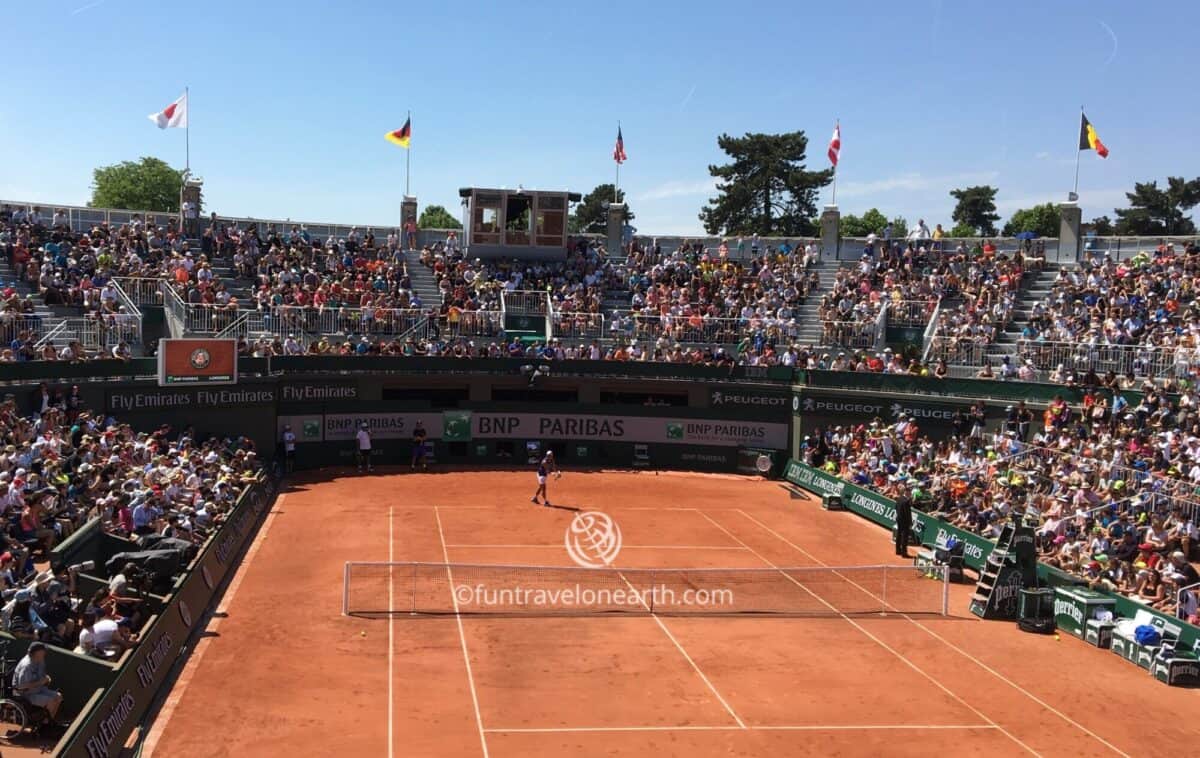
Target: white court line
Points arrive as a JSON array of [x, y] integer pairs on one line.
[[878, 641], [954, 647], [765, 728], [185, 677], [741, 724], [391, 634], [462, 637], [623, 547]]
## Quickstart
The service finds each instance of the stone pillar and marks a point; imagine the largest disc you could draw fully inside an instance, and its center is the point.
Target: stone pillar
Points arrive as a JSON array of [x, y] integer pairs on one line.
[[616, 225], [830, 219], [1070, 242], [408, 212], [192, 193]]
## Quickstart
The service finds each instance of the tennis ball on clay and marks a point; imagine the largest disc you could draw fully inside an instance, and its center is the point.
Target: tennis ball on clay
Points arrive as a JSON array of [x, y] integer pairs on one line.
[[362, 634], [1055, 637]]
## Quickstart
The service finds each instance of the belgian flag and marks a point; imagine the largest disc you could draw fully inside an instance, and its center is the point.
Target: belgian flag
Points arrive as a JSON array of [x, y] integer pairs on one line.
[[401, 136], [1088, 139]]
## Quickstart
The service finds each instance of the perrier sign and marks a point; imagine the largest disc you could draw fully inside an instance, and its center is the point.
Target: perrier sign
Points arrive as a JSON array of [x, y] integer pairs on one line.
[[456, 426]]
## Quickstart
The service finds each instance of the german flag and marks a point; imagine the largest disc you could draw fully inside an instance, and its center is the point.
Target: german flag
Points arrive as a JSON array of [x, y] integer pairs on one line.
[[401, 136], [1088, 139]]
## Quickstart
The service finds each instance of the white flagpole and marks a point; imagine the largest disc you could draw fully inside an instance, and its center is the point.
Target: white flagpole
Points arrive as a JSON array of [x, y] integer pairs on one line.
[[187, 132], [1078, 152], [408, 155]]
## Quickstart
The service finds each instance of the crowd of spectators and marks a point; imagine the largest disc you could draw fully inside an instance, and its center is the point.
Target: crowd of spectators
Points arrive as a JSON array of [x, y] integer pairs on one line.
[[64, 465], [1138, 315], [1113, 486]]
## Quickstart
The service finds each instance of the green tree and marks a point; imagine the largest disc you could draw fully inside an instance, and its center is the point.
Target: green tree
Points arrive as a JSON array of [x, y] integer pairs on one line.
[[976, 208], [963, 230], [437, 217], [899, 228], [871, 222], [591, 214], [1159, 211], [1043, 220], [148, 185], [765, 189], [1102, 226]]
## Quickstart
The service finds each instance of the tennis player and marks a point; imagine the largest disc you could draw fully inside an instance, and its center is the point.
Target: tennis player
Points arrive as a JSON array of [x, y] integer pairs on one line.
[[545, 468]]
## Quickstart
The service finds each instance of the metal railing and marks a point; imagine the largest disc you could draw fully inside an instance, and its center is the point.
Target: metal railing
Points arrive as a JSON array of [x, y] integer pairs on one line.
[[861, 335], [1179, 607], [580, 326], [910, 312], [525, 302], [1141, 360], [141, 290], [125, 301], [930, 331], [12, 325], [694, 329], [957, 352]]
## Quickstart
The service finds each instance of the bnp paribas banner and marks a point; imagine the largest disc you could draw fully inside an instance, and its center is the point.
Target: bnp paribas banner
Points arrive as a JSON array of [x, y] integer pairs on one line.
[[456, 426], [882, 511]]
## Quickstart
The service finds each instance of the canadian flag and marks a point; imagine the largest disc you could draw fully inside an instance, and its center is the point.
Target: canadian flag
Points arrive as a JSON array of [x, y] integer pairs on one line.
[[173, 116], [835, 144]]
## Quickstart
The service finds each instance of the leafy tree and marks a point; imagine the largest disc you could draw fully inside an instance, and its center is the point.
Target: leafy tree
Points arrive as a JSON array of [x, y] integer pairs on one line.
[[963, 230], [899, 228], [1159, 211], [437, 217], [871, 222], [765, 189], [976, 208], [1043, 220], [1102, 226], [591, 214], [148, 185]]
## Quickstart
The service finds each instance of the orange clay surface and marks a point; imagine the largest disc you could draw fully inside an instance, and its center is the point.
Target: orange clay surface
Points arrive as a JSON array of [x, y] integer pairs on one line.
[[281, 672]]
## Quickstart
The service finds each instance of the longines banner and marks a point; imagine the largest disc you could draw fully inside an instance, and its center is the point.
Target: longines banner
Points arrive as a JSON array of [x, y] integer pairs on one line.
[[546, 426], [927, 529]]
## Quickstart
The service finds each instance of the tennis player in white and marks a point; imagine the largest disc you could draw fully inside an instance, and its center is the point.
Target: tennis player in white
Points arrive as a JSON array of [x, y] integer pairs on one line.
[[545, 468]]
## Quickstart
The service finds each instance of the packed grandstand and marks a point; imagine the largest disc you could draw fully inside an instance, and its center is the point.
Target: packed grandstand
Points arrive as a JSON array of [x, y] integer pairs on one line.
[[1111, 480]]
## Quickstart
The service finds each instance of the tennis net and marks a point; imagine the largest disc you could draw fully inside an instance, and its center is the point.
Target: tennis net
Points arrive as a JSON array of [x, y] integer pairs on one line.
[[382, 589]]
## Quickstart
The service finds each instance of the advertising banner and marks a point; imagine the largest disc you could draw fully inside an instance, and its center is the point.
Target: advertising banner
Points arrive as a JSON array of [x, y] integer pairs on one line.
[[482, 425], [871, 505]]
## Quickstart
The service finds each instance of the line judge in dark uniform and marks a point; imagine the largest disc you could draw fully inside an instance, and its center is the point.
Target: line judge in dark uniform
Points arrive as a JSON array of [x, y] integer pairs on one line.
[[903, 522]]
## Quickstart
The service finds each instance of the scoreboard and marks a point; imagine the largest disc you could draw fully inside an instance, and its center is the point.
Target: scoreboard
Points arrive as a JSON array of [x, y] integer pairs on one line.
[[196, 361]]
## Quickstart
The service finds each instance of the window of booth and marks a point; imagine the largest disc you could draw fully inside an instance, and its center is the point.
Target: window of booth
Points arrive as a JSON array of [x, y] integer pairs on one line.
[[485, 222]]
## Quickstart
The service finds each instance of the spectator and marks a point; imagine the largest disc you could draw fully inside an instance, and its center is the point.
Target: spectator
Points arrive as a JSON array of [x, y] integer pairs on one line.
[[31, 682]]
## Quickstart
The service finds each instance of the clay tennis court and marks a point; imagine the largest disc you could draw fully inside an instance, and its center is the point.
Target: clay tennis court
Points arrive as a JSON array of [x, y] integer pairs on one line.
[[282, 672]]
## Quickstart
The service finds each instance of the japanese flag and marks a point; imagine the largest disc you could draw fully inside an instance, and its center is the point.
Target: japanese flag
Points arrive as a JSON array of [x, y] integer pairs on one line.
[[173, 116]]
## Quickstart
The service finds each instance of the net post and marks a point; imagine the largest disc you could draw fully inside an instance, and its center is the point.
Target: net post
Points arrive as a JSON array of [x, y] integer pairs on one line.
[[945, 590], [883, 595], [346, 589]]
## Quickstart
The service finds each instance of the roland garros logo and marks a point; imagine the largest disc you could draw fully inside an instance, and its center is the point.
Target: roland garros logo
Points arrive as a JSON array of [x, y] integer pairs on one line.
[[200, 359], [593, 539]]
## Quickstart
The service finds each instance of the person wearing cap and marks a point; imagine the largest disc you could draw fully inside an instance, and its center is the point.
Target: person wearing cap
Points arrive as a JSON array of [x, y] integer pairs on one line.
[[31, 682], [363, 440]]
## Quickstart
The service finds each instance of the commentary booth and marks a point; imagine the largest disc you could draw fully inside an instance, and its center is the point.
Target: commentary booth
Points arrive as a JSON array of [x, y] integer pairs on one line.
[[520, 223]]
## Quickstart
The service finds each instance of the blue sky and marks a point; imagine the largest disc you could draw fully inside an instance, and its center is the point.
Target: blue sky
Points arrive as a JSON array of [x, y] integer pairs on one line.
[[290, 101]]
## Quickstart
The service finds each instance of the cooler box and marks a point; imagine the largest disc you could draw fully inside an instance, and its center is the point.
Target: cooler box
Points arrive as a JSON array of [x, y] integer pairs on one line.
[[1074, 606], [832, 503], [1174, 665], [1098, 633], [1125, 645]]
